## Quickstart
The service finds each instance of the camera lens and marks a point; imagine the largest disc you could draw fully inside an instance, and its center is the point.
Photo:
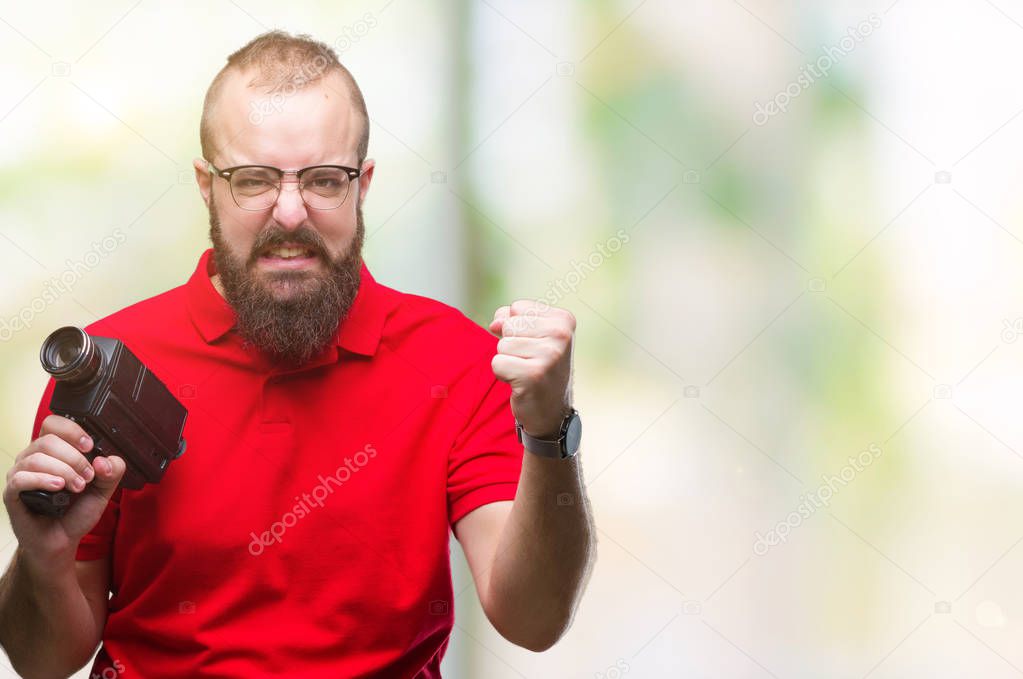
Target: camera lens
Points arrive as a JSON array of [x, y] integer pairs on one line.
[[70, 355]]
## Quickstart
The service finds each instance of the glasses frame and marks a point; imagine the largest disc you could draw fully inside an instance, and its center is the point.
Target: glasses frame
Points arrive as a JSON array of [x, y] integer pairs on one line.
[[226, 173]]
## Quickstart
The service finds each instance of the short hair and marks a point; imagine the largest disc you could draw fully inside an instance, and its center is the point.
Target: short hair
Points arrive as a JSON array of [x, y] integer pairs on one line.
[[282, 59]]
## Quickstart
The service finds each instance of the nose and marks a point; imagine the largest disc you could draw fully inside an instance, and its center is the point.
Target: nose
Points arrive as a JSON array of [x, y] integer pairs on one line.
[[289, 210]]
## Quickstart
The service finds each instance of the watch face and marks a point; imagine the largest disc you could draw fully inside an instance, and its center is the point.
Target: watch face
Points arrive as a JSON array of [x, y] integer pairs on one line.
[[573, 435]]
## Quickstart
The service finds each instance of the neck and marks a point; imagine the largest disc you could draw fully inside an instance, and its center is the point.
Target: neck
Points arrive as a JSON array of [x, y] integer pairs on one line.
[[215, 279]]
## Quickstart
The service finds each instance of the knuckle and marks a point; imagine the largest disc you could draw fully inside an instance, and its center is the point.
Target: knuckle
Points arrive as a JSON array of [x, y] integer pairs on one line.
[[36, 459], [561, 333], [27, 480], [52, 443], [556, 352]]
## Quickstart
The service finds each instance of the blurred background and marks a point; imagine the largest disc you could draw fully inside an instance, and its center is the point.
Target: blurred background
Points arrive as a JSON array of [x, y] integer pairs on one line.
[[789, 233]]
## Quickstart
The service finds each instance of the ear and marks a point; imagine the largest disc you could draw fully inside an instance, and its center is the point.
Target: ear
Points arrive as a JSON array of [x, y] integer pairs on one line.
[[203, 178], [366, 177]]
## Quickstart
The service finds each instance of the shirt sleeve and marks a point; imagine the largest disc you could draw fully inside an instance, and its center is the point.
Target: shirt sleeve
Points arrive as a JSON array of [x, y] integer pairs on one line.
[[96, 543], [485, 461]]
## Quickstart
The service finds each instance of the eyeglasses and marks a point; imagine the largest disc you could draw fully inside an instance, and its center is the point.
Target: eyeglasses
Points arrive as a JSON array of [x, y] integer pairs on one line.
[[256, 187]]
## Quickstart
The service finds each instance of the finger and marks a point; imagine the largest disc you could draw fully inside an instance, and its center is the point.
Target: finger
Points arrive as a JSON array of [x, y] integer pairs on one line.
[[541, 309], [529, 325], [96, 496], [527, 347], [41, 462], [525, 306], [109, 471], [514, 368], [500, 315], [60, 449], [69, 430], [26, 480]]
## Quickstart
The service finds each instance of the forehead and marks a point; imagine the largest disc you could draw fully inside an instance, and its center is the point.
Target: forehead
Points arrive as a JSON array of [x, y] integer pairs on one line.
[[290, 126]]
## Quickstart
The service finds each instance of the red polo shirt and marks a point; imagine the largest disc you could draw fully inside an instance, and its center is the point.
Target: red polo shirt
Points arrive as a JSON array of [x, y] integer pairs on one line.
[[304, 532]]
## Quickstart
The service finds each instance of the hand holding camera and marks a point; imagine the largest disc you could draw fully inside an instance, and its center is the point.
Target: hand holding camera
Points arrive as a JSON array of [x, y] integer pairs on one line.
[[114, 423], [53, 462]]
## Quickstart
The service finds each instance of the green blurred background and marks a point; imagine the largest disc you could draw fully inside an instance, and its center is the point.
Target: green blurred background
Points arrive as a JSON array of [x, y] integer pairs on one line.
[[774, 292]]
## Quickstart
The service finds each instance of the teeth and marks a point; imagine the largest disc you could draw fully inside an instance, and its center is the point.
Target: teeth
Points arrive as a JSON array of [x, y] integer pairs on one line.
[[287, 253]]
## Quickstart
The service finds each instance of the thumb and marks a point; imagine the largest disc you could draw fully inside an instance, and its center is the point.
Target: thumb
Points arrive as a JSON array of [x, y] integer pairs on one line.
[[500, 316], [109, 471], [91, 502]]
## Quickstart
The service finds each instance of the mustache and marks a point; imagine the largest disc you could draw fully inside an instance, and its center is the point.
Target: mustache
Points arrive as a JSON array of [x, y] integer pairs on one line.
[[275, 236]]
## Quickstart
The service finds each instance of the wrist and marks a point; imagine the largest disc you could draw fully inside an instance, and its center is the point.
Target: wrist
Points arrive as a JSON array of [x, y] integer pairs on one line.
[[46, 570], [550, 430], [561, 444]]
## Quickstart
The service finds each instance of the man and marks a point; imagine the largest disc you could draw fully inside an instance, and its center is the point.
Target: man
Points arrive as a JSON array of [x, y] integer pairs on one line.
[[337, 430]]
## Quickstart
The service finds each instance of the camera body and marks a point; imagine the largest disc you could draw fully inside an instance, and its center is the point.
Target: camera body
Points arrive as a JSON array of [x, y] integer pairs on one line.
[[124, 407]]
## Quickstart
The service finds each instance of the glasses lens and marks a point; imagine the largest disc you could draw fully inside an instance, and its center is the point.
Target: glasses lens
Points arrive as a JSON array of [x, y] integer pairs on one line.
[[324, 188], [254, 188]]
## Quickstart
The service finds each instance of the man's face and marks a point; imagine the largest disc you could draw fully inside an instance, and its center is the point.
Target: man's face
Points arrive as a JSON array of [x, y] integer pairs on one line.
[[290, 272]]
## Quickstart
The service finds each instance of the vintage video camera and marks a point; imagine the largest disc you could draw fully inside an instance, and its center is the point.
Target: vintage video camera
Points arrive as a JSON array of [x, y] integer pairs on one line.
[[114, 397]]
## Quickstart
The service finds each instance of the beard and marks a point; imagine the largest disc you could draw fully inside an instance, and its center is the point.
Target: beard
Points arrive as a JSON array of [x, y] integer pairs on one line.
[[298, 323]]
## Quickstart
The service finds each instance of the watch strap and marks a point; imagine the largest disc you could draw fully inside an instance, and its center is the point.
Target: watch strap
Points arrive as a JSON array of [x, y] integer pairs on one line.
[[541, 447], [557, 448]]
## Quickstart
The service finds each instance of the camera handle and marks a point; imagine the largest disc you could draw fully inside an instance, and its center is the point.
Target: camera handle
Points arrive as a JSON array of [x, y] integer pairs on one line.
[[53, 504]]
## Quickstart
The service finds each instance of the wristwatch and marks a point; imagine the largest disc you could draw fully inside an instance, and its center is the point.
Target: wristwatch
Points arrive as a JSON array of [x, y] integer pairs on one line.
[[566, 445]]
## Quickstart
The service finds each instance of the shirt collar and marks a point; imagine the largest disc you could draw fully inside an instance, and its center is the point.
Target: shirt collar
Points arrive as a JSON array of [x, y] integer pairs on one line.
[[359, 332]]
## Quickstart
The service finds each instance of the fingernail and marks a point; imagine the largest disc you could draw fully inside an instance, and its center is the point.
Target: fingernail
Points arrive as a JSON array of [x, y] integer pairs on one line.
[[85, 442], [88, 473], [78, 483]]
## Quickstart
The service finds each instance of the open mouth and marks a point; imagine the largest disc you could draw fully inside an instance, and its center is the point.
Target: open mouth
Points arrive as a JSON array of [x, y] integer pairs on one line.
[[288, 257]]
